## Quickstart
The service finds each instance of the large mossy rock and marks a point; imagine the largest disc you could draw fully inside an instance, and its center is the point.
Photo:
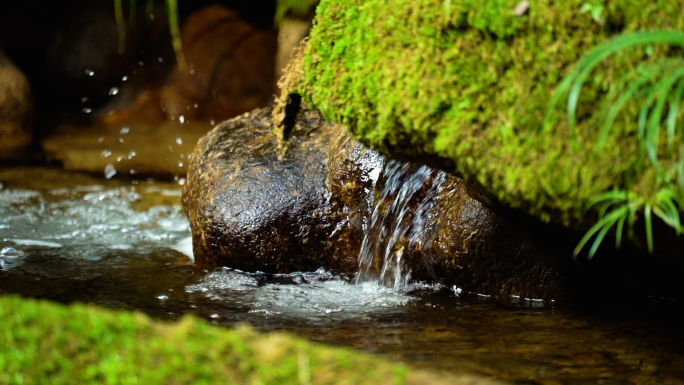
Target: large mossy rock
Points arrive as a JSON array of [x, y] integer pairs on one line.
[[251, 211], [44, 342], [465, 85]]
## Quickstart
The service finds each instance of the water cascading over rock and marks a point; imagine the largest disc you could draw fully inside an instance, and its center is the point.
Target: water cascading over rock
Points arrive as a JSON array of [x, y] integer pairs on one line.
[[332, 203]]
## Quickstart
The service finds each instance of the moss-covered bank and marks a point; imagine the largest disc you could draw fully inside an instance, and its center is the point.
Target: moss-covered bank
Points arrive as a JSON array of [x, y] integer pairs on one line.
[[468, 82], [43, 343]]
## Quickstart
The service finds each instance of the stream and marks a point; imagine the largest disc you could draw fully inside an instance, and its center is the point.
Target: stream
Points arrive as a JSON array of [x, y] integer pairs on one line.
[[125, 244]]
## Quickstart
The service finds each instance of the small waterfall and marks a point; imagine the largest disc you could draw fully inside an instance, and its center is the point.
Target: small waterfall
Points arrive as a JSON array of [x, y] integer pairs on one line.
[[402, 221]]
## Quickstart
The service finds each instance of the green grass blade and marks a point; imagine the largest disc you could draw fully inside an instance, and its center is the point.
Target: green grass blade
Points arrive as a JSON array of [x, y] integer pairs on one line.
[[649, 227], [120, 24], [619, 228], [680, 169], [599, 238], [674, 109], [661, 92], [574, 81], [607, 220], [631, 219], [634, 88], [174, 27]]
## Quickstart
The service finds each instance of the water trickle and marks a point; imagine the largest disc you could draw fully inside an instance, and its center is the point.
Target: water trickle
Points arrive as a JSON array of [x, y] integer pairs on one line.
[[401, 221]]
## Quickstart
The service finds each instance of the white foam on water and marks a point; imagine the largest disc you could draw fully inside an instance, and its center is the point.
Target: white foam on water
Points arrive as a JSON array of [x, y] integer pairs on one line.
[[88, 218], [317, 294], [185, 246], [34, 242]]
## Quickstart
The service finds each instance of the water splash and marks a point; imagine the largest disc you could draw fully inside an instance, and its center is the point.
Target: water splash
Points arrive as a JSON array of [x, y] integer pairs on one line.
[[402, 220], [300, 295], [85, 222]]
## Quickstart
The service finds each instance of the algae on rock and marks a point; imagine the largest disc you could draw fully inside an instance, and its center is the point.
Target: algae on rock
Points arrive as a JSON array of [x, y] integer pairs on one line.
[[465, 85]]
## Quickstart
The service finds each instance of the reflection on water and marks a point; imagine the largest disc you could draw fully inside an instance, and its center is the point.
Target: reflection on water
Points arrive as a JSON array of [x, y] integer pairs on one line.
[[122, 245]]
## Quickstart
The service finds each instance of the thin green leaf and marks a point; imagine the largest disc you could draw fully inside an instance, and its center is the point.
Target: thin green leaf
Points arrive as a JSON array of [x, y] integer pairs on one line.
[[615, 106], [618, 230], [574, 81], [607, 220], [649, 227], [120, 24], [660, 94], [674, 109], [631, 218], [599, 238], [174, 28]]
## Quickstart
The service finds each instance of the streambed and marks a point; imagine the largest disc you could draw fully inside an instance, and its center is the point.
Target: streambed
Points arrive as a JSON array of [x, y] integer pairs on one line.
[[124, 244]]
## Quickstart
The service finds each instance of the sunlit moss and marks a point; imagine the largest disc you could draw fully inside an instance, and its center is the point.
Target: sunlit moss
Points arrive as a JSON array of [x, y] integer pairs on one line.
[[43, 343]]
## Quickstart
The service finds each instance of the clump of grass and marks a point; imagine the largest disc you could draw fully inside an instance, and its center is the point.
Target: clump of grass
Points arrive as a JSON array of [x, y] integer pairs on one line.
[[657, 88]]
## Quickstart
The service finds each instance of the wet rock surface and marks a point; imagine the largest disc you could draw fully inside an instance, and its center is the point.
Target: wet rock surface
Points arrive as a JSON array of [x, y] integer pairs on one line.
[[16, 110], [330, 198], [252, 212]]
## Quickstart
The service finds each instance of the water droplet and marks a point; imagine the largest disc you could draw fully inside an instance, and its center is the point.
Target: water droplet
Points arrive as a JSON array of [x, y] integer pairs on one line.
[[141, 63], [100, 139], [109, 171], [181, 181], [125, 130], [163, 297], [161, 59], [181, 119], [214, 315], [87, 110], [212, 122], [120, 158], [90, 72], [106, 153], [113, 91], [123, 79], [196, 105], [180, 163], [131, 154], [84, 99], [10, 252], [132, 172], [179, 140], [121, 140]]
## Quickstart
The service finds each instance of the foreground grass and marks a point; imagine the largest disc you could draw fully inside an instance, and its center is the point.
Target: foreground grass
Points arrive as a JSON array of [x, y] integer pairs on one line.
[[47, 343]]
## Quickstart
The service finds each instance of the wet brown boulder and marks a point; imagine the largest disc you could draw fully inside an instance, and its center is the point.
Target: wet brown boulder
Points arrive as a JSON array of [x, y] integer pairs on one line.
[[330, 200], [16, 110], [250, 211]]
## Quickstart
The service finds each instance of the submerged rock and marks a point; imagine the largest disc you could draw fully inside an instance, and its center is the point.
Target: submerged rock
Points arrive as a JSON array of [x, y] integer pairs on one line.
[[16, 110], [330, 200]]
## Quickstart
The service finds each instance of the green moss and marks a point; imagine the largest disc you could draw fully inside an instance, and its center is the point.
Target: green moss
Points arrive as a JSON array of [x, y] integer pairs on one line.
[[42, 343], [302, 9], [468, 81]]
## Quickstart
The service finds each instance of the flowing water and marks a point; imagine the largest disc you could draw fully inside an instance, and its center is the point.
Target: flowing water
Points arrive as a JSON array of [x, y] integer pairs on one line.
[[394, 220], [125, 245]]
